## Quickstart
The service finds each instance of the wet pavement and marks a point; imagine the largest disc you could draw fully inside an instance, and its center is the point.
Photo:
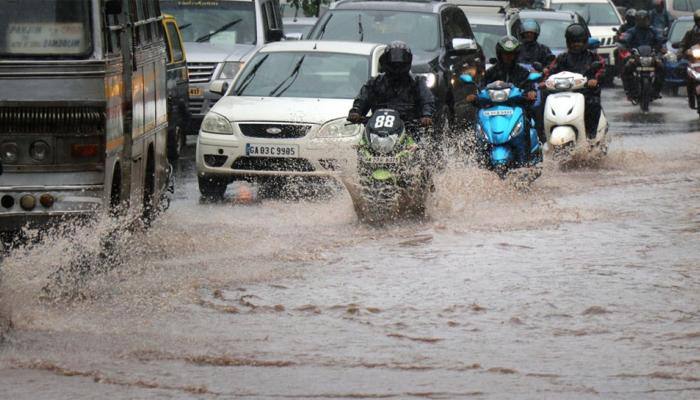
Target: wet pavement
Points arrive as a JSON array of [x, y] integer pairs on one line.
[[585, 287]]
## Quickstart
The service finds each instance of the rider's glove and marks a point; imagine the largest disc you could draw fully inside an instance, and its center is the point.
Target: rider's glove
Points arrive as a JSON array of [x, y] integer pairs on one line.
[[531, 95], [471, 98], [592, 83], [426, 121], [355, 118]]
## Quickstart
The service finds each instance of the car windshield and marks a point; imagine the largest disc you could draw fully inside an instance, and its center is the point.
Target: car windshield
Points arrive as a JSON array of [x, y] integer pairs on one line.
[[420, 31], [487, 36], [45, 28], [595, 14], [679, 29], [222, 23], [301, 74], [552, 33]]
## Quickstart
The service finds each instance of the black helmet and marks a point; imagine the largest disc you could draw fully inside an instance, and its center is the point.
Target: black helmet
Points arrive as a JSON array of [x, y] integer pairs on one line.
[[696, 17], [530, 25], [630, 14], [396, 59], [642, 19], [507, 44], [575, 33]]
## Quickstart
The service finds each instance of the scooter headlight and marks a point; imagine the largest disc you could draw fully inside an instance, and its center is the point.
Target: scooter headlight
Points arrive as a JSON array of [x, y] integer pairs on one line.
[[383, 145], [564, 83], [499, 96], [516, 130], [695, 53], [646, 61]]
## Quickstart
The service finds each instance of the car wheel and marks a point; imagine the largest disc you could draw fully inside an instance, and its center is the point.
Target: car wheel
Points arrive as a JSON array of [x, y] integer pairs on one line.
[[212, 187]]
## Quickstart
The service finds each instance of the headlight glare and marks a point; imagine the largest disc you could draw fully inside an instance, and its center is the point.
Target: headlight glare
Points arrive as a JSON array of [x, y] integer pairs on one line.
[[215, 123], [430, 79], [696, 53], [339, 128], [229, 70], [671, 57]]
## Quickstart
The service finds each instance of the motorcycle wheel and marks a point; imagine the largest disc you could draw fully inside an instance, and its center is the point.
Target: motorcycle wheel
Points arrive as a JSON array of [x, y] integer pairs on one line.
[[644, 96], [697, 99], [380, 201]]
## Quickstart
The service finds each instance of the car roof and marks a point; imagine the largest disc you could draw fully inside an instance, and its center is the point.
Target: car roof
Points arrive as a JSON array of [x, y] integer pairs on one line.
[[381, 5], [330, 46], [487, 19], [538, 14], [685, 18]]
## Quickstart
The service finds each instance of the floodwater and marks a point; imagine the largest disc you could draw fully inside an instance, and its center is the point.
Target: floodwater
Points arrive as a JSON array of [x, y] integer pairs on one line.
[[585, 287]]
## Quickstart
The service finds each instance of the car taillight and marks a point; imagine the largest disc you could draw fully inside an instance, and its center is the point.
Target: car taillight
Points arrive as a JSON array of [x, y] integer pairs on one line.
[[84, 150]]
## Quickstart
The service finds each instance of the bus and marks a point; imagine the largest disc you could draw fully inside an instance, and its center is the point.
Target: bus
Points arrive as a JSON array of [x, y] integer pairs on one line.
[[83, 110]]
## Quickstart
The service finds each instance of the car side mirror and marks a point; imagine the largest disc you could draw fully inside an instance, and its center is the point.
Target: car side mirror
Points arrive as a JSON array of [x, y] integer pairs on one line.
[[593, 43], [275, 35], [676, 45], [113, 7], [466, 78], [537, 66], [219, 87], [461, 44], [293, 36]]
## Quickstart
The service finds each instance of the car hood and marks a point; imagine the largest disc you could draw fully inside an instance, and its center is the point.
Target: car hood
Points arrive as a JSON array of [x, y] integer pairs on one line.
[[207, 52], [282, 109]]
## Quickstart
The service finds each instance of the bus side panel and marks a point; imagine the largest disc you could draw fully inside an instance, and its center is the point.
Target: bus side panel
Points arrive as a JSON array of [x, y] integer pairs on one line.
[[114, 90]]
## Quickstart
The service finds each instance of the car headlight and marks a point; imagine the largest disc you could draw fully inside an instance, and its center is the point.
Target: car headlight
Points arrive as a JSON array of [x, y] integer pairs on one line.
[[229, 70], [384, 144], [430, 79], [215, 123], [339, 128], [671, 57], [516, 130]]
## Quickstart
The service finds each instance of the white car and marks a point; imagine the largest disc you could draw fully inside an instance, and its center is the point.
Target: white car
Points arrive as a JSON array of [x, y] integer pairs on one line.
[[285, 114], [601, 16]]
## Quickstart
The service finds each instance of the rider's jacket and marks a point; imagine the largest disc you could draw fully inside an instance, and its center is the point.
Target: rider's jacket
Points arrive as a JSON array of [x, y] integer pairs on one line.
[[625, 27], [408, 95], [636, 37], [516, 74], [581, 63], [690, 39], [660, 20], [534, 52]]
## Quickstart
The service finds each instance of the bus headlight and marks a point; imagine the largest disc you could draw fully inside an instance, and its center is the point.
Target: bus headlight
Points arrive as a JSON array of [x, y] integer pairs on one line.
[[9, 152], [215, 123], [39, 150], [229, 70]]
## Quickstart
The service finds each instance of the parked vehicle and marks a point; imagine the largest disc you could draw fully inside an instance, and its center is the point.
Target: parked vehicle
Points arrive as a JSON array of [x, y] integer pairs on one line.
[[220, 36], [438, 34], [286, 114], [676, 67], [392, 176], [506, 137], [83, 116], [564, 121], [694, 73], [602, 18], [680, 8], [177, 84]]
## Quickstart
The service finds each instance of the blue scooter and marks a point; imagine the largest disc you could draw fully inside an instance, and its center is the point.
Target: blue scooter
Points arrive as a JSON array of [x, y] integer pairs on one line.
[[502, 127]]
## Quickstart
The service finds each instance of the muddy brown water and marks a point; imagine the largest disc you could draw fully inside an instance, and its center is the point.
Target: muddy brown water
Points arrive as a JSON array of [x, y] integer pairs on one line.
[[585, 287]]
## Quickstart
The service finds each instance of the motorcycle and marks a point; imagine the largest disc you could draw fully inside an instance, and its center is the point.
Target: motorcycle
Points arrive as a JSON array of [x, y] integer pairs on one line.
[[564, 116], [644, 74], [694, 74], [392, 178], [503, 130]]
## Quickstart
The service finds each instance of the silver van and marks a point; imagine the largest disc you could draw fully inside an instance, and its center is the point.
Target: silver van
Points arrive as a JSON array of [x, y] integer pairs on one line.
[[219, 38]]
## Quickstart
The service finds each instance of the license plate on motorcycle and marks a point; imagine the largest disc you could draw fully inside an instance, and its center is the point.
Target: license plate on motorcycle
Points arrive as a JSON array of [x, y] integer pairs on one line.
[[646, 68], [384, 160], [271, 150], [494, 113]]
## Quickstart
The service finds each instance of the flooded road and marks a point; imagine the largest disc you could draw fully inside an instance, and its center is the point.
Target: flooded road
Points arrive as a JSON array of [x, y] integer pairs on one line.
[[585, 287]]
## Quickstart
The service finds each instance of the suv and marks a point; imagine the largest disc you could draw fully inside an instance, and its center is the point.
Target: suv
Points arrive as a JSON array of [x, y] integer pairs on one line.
[[220, 37], [177, 85], [438, 34]]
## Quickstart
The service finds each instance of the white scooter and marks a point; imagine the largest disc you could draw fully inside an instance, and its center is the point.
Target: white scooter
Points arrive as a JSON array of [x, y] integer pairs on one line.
[[564, 119]]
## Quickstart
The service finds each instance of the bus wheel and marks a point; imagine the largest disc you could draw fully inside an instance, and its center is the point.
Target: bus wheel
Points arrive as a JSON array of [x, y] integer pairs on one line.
[[150, 206], [116, 207]]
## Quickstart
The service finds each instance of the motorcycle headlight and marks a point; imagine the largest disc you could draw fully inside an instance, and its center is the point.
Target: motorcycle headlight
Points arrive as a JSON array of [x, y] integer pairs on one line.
[[430, 79], [564, 84], [383, 145], [215, 123], [498, 96], [671, 57], [229, 70], [695, 53], [646, 61], [516, 130], [339, 128]]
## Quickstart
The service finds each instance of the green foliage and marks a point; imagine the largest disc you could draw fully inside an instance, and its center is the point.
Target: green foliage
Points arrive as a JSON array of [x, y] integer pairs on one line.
[[307, 8]]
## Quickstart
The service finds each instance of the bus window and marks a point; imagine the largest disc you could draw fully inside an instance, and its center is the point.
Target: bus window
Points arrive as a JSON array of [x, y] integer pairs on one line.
[[177, 54]]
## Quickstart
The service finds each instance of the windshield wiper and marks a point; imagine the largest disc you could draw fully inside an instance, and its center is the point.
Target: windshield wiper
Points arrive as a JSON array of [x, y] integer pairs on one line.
[[184, 26], [323, 28], [294, 74], [223, 28], [249, 78], [359, 25]]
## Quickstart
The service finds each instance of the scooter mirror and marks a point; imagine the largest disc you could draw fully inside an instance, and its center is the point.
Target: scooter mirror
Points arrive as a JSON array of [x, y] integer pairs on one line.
[[534, 76], [466, 78]]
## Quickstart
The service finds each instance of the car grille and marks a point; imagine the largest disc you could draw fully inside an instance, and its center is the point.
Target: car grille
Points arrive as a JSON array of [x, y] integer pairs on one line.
[[282, 131], [57, 120], [200, 72], [607, 41], [273, 164]]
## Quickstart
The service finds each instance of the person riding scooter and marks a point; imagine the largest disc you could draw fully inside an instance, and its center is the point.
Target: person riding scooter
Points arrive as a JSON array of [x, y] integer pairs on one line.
[[659, 18], [530, 50], [642, 35], [580, 59], [395, 88], [690, 39]]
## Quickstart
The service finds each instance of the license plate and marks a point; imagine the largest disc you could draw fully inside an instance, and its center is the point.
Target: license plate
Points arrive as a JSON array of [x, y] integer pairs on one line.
[[494, 113], [196, 92], [384, 160], [271, 150], [646, 68]]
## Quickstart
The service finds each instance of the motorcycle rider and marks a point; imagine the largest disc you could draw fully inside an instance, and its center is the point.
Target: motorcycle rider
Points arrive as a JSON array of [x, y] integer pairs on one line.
[[530, 50], [659, 18], [690, 39], [630, 16], [395, 88], [642, 34], [580, 59]]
